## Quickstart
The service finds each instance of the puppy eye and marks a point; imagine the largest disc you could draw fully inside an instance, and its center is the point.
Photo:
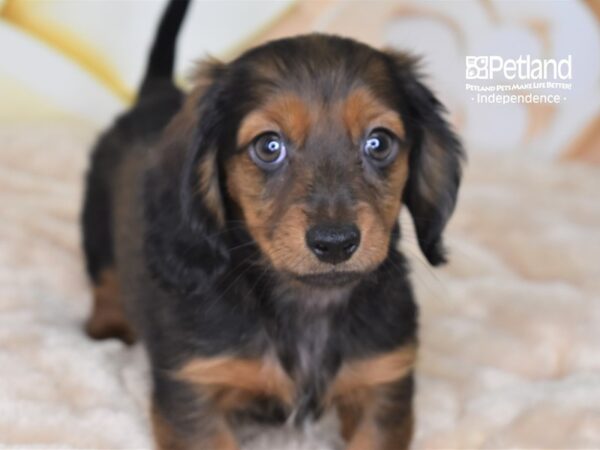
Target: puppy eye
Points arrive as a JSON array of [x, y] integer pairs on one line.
[[380, 147], [268, 150]]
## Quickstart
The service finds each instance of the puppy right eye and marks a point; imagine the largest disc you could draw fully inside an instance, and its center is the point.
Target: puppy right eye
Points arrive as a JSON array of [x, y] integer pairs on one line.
[[380, 147], [268, 151]]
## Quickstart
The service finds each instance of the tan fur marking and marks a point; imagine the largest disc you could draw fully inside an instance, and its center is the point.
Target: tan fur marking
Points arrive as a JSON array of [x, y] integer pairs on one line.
[[375, 236], [108, 319], [370, 419], [290, 245], [350, 413], [283, 113], [163, 434], [372, 372], [248, 376], [362, 111], [245, 186], [166, 438], [366, 437], [223, 440], [391, 201], [285, 248], [377, 220], [209, 186], [369, 435]]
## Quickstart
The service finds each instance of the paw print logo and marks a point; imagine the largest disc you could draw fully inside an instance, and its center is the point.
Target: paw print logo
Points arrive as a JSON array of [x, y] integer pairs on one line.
[[476, 67]]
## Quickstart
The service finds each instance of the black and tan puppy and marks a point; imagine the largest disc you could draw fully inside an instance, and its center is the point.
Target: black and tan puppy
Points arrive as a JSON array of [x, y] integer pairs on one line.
[[248, 232]]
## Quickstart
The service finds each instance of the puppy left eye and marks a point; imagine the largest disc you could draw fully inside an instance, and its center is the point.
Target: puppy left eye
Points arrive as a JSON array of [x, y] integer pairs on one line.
[[380, 147], [268, 151]]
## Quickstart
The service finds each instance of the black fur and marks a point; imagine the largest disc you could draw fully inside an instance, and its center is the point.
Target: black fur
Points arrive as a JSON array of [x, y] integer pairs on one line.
[[162, 55]]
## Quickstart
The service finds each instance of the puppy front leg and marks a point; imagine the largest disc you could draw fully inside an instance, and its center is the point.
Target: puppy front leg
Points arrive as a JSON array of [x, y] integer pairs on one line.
[[181, 420], [379, 420], [395, 417]]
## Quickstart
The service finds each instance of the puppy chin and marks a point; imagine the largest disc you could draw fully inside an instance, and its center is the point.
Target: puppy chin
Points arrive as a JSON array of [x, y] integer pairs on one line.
[[322, 276], [330, 279], [325, 277]]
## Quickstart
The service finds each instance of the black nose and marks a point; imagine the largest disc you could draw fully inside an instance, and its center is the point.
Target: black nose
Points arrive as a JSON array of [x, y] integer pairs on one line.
[[333, 243]]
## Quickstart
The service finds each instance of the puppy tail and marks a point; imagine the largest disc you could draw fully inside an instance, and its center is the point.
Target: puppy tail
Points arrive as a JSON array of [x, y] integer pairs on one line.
[[162, 55]]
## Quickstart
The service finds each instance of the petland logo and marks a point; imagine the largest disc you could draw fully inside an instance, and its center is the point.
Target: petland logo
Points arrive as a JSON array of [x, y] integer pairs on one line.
[[522, 68], [524, 80]]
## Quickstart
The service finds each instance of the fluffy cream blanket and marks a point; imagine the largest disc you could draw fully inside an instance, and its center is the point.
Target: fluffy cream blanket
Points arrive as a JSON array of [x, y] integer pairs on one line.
[[510, 335]]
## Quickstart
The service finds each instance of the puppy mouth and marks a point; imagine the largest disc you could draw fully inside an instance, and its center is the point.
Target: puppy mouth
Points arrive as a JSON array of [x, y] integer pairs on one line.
[[329, 279]]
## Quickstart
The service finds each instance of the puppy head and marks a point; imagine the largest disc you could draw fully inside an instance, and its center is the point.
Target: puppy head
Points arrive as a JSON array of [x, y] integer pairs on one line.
[[314, 143]]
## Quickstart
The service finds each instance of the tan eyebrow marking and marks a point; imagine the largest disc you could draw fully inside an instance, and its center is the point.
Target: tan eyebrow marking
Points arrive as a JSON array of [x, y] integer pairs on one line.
[[361, 111], [283, 113]]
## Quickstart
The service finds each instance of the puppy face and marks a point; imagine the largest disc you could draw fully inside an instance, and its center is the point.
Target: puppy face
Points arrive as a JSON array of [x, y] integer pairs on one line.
[[314, 143], [319, 180]]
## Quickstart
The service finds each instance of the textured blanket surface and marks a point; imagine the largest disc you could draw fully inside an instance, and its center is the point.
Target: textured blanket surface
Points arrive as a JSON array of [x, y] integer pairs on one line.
[[510, 329]]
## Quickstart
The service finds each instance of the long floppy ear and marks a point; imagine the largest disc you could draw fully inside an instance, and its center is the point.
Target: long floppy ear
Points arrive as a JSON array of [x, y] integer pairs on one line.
[[201, 196], [182, 197], [435, 160]]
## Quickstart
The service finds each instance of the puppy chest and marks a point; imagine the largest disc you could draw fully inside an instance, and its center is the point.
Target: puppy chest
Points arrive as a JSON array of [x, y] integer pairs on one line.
[[293, 374]]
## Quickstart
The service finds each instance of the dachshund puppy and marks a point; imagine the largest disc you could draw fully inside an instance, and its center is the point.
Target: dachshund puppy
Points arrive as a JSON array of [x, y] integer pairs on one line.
[[247, 232]]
